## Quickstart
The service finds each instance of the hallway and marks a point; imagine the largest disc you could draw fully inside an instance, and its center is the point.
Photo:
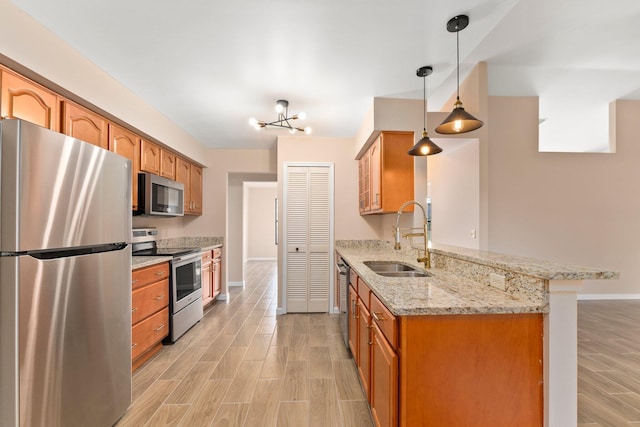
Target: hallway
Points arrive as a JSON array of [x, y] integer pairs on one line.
[[244, 366]]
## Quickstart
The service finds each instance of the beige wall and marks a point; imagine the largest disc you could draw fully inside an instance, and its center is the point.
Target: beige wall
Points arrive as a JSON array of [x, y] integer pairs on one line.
[[31, 45], [259, 216], [579, 208], [455, 193]]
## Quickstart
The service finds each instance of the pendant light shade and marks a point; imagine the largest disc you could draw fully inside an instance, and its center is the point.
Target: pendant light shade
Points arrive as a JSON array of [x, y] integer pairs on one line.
[[459, 121], [424, 147]]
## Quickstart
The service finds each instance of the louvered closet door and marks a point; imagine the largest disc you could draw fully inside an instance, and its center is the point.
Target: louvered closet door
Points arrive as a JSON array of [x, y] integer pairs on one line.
[[308, 234]]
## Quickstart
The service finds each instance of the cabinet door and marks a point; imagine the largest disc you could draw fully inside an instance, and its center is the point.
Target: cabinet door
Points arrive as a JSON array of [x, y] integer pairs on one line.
[[196, 190], [353, 324], [217, 277], [26, 100], [183, 175], [364, 182], [375, 163], [364, 343], [127, 144], [167, 164], [149, 157], [207, 289], [384, 381], [85, 125]]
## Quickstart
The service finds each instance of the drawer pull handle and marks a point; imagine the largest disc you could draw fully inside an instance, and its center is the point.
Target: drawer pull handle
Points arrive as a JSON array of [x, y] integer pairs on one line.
[[134, 309], [160, 273], [159, 297], [135, 344], [158, 328], [134, 281], [375, 316]]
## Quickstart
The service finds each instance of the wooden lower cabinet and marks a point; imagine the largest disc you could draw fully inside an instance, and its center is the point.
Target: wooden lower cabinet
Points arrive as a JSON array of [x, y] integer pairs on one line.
[[447, 370], [211, 275], [149, 311], [384, 380]]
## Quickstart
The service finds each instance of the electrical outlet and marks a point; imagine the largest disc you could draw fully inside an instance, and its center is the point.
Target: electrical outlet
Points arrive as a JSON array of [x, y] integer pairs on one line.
[[472, 234], [498, 281]]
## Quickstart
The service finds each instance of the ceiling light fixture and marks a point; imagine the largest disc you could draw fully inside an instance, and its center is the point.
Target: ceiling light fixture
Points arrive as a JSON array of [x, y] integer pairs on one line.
[[424, 147], [459, 121], [282, 108]]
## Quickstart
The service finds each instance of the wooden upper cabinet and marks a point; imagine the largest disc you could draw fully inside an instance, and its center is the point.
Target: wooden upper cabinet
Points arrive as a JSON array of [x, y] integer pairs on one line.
[[196, 190], [85, 125], [127, 144], [26, 100], [386, 174], [183, 175], [191, 176], [167, 164], [149, 157]]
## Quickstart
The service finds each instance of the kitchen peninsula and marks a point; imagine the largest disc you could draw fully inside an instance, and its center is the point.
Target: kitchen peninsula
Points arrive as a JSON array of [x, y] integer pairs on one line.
[[485, 339]]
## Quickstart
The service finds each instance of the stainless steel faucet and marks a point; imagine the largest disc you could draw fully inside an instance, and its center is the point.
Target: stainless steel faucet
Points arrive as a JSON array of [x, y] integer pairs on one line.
[[398, 233]]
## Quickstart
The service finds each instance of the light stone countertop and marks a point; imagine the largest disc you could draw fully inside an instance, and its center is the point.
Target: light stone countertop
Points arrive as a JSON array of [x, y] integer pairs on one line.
[[204, 243], [445, 292]]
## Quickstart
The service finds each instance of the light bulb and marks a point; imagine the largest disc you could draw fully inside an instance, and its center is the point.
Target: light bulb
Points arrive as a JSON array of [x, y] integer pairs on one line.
[[253, 122], [292, 130], [457, 125], [279, 108], [257, 126], [302, 115], [424, 150], [307, 130]]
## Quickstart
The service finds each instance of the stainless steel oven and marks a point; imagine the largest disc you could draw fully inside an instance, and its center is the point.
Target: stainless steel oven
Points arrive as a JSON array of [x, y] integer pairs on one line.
[[342, 270], [185, 281], [186, 293]]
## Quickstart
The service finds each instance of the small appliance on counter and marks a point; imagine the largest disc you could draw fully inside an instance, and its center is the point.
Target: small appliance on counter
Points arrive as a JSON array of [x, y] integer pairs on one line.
[[185, 281]]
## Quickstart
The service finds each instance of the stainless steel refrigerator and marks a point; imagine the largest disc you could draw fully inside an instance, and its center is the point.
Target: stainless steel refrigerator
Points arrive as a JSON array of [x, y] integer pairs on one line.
[[65, 280]]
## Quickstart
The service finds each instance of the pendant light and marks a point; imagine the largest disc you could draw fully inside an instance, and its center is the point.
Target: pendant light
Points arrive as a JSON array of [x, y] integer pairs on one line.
[[424, 147], [459, 121]]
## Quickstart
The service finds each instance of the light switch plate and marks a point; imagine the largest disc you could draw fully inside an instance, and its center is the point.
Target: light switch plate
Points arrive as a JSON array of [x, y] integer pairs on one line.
[[498, 281]]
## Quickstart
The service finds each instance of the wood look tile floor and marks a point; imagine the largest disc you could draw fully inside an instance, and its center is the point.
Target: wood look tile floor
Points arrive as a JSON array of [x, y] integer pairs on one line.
[[244, 366], [609, 363]]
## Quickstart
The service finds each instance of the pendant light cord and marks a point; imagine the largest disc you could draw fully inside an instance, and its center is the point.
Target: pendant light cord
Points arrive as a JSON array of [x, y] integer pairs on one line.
[[424, 103], [458, 59]]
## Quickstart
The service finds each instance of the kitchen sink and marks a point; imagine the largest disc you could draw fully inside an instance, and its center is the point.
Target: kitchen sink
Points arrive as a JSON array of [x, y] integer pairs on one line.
[[382, 266], [395, 269]]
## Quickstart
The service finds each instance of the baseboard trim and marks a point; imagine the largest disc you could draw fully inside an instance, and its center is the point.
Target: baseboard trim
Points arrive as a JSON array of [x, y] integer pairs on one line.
[[236, 284], [280, 310], [222, 297], [262, 259], [590, 297]]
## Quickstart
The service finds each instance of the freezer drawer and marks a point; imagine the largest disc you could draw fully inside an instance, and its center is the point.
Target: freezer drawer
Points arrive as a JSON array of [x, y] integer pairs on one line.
[[65, 326]]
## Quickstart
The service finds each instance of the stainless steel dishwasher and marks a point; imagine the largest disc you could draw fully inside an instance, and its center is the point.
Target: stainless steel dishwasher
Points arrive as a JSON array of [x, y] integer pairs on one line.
[[343, 291]]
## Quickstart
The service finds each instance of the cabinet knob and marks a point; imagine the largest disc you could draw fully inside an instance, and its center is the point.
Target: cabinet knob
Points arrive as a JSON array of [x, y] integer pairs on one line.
[[134, 309]]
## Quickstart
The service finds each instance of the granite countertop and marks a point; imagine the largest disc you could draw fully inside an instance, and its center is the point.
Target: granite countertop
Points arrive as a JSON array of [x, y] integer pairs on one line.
[[445, 292], [204, 243]]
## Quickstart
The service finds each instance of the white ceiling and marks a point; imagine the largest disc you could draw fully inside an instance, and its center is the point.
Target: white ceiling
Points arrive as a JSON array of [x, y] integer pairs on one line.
[[211, 65]]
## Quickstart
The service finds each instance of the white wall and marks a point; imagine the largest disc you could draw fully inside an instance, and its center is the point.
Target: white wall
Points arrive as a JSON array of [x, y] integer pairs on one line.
[[259, 221]]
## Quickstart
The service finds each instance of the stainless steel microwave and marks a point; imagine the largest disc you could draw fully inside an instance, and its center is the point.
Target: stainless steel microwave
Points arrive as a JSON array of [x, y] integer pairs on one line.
[[159, 196]]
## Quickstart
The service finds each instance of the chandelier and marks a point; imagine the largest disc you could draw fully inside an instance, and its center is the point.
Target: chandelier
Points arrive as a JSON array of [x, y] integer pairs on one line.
[[283, 121]]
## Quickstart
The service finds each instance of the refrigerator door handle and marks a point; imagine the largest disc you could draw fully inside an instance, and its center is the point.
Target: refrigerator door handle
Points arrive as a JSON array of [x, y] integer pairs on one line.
[[63, 253]]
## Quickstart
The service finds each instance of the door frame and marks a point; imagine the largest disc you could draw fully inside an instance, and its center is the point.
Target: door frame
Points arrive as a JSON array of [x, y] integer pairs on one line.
[[285, 242]]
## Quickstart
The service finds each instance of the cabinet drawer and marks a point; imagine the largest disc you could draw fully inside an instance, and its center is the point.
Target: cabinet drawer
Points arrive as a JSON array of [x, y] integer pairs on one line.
[[148, 332], [385, 320], [363, 292], [149, 299], [206, 257], [146, 275], [353, 279], [217, 253]]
